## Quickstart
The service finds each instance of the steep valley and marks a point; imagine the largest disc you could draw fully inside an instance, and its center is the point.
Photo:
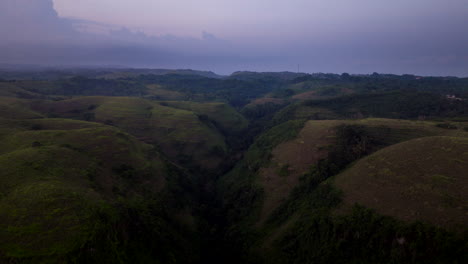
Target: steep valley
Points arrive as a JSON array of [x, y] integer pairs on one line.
[[250, 168]]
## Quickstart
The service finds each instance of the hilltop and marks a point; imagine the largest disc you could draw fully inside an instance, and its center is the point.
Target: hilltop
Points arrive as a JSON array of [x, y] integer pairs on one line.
[[182, 166], [80, 179], [422, 179]]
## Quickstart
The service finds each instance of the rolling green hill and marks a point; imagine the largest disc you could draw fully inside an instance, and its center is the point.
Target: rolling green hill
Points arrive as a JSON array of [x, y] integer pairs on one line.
[[222, 115], [13, 108], [280, 172], [183, 135], [269, 194], [422, 179], [162, 166], [80, 179], [405, 201]]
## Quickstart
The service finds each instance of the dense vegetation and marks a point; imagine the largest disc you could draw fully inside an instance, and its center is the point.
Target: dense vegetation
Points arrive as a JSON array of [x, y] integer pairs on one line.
[[181, 166]]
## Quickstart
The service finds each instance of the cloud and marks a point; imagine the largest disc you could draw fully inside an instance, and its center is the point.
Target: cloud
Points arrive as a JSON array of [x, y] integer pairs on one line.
[[36, 34], [32, 32], [32, 20]]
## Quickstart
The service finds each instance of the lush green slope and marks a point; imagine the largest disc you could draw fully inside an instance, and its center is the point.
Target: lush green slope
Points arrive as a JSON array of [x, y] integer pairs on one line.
[[128, 166], [402, 204], [68, 187], [44, 196], [423, 179], [269, 194], [103, 180], [13, 108], [185, 136], [222, 115], [283, 163]]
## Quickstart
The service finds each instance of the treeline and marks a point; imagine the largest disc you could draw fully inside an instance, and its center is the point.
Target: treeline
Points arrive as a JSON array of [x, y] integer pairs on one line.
[[240, 88], [395, 104], [236, 92], [364, 236]]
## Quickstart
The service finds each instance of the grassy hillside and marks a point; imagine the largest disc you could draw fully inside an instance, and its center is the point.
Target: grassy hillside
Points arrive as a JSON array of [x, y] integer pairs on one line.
[[308, 220], [423, 179], [222, 115], [183, 135], [13, 108], [286, 162], [402, 204], [40, 204], [157, 92], [129, 166], [272, 190], [23, 89], [79, 179]]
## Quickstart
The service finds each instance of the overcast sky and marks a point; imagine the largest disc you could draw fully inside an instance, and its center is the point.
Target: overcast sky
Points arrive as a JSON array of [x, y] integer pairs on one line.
[[426, 37]]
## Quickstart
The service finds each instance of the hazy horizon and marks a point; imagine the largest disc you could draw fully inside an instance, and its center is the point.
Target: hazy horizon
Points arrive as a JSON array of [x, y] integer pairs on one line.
[[421, 37]]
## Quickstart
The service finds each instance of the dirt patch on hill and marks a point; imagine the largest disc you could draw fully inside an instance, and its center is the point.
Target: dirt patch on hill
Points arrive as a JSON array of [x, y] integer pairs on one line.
[[265, 100], [306, 96]]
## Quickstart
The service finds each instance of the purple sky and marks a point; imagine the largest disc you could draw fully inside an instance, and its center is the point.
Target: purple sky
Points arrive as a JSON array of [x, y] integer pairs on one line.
[[426, 37]]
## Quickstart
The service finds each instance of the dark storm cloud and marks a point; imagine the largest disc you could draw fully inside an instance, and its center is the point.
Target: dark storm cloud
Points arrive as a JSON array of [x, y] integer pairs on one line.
[[26, 21], [34, 33]]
